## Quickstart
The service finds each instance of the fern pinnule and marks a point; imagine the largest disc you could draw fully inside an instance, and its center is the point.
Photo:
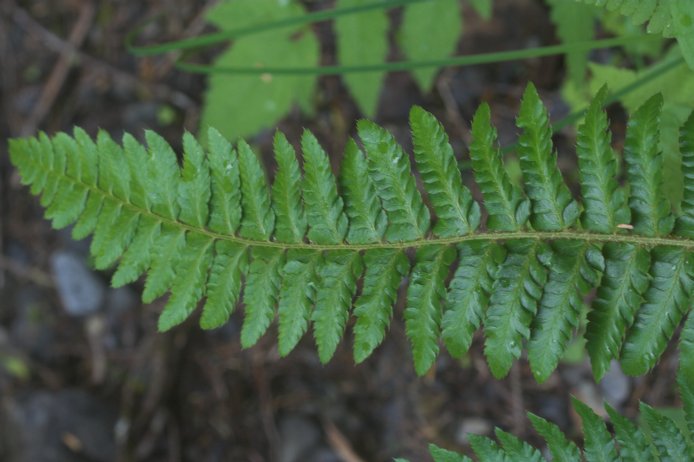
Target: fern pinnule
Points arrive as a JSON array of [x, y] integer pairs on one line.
[[468, 294], [314, 250], [425, 294], [650, 209], [367, 219], [604, 202], [562, 449], [291, 223], [553, 208], [685, 222], [452, 202], [508, 210]]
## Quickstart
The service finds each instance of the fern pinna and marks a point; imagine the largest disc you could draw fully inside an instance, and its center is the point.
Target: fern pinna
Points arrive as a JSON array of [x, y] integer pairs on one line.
[[658, 438], [314, 249]]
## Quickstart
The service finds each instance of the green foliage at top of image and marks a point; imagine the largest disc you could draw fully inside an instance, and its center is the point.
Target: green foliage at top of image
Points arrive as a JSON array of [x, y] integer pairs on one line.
[[301, 248], [658, 438], [429, 30], [240, 105], [670, 18]]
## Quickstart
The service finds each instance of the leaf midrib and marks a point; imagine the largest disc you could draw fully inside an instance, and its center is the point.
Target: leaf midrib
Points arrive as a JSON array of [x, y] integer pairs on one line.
[[642, 241]]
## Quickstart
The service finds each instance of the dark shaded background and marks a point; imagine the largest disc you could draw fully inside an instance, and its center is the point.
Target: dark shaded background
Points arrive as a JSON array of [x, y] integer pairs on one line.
[[105, 386]]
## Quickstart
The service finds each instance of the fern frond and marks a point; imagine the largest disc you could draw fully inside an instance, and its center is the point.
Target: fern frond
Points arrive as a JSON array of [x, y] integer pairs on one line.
[[669, 18], [314, 250], [665, 441]]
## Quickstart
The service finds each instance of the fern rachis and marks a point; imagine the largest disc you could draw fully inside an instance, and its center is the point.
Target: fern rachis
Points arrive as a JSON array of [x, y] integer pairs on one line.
[[214, 229]]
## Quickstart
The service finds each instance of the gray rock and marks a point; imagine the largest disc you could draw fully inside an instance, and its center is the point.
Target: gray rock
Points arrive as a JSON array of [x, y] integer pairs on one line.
[[64, 426], [81, 292], [615, 386]]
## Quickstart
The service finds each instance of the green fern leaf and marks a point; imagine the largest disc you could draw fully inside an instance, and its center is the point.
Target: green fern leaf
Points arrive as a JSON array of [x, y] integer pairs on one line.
[[605, 204], [649, 207], [486, 449], [225, 182], [669, 441], [211, 230], [138, 256], [598, 444], [367, 219], [374, 308], [633, 446], [258, 218], [553, 207], [261, 293], [507, 209], [468, 294], [339, 275], [629, 443], [224, 287], [575, 269], [457, 214], [297, 296], [408, 217], [424, 310], [324, 206], [291, 223], [443, 455], [619, 297], [517, 450], [666, 301], [194, 189], [513, 304], [561, 448], [188, 282], [670, 18], [685, 223], [162, 176], [167, 253]]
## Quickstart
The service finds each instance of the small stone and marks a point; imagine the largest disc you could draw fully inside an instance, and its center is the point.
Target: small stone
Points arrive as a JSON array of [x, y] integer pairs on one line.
[[615, 386], [81, 292], [474, 426]]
